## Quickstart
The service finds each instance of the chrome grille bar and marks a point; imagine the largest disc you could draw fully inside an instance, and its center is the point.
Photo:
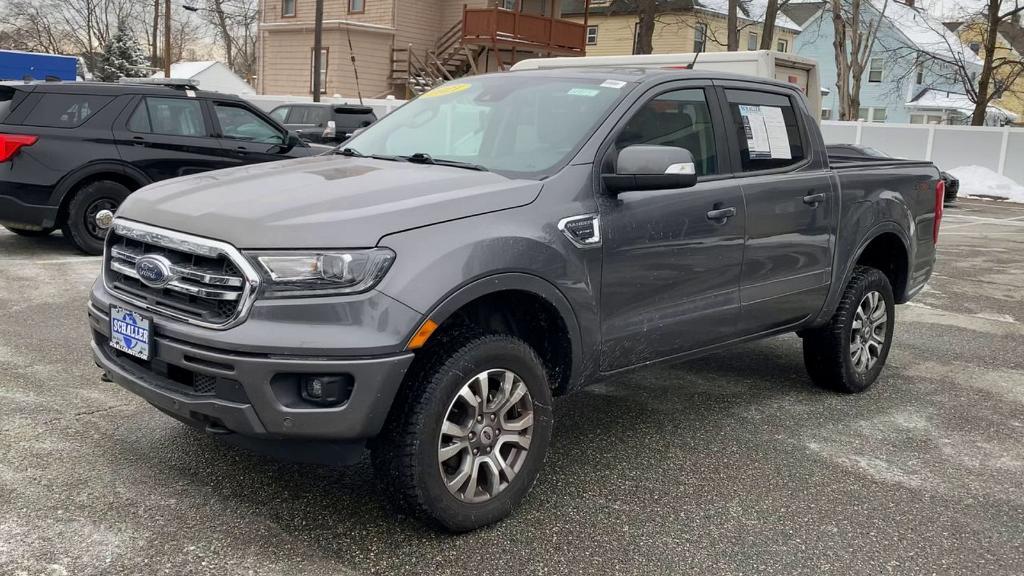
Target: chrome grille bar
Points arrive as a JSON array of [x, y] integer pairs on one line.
[[131, 256], [179, 286]]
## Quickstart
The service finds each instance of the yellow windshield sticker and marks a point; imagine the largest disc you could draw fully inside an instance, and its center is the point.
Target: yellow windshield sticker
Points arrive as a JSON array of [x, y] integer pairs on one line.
[[446, 90]]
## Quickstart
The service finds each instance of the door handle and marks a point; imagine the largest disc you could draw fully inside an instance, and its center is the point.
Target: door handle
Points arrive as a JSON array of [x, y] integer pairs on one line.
[[813, 200], [720, 215], [138, 141]]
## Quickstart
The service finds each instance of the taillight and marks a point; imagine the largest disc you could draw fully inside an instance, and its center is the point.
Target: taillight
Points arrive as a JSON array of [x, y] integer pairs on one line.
[[11, 143], [329, 132], [940, 201]]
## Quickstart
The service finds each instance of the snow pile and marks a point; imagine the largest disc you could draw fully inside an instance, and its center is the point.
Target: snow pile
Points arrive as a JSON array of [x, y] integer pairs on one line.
[[979, 182]]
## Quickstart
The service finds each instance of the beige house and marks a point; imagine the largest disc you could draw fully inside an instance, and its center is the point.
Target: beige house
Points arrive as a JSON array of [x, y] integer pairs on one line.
[[403, 46], [683, 26]]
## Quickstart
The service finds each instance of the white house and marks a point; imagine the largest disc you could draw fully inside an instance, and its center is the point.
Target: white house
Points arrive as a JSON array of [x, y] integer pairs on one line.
[[210, 75]]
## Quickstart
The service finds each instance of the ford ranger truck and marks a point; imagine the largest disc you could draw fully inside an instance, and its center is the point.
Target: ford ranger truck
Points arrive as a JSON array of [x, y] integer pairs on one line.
[[501, 240]]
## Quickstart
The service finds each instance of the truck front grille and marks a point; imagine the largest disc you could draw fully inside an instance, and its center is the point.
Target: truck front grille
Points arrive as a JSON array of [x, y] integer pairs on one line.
[[207, 283]]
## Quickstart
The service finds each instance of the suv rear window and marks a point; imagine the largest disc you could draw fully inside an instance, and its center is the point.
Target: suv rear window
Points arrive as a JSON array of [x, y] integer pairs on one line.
[[350, 120], [66, 110]]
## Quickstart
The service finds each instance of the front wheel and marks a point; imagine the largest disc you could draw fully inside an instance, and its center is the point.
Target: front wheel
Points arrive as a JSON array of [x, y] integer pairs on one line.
[[468, 435], [848, 353]]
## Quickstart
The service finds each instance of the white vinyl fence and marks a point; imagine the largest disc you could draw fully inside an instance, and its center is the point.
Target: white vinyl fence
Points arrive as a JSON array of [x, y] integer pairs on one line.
[[998, 149]]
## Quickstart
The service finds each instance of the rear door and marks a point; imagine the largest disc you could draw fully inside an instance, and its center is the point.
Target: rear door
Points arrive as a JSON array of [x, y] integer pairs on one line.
[[308, 122], [671, 275], [167, 137], [246, 136], [789, 201]]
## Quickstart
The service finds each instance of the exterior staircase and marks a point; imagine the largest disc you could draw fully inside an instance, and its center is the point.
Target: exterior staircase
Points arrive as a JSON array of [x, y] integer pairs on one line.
[[415, 72]]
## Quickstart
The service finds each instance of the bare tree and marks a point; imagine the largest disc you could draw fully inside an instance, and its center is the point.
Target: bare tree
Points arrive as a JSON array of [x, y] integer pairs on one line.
[[771, 14], [853, 42], [994, 69], [731, 24], [235, 23]]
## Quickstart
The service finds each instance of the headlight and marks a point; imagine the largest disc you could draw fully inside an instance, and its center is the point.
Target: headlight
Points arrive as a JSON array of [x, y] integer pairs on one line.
[[322, 273]]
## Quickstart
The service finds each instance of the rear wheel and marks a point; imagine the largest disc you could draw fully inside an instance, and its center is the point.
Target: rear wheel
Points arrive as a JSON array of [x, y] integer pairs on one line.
[[849, 352], [467, 438], [31, 233], [80, 226]]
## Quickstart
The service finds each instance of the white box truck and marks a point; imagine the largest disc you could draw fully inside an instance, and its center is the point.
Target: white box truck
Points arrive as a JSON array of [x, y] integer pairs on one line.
[[762, 63]]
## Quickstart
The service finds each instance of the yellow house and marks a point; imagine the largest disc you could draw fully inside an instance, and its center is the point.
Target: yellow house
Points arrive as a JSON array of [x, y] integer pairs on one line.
[[683, 26], [1009, 47]]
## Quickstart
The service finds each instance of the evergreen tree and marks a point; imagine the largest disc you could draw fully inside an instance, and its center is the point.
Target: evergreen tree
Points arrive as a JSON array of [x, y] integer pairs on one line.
[[122, 57]]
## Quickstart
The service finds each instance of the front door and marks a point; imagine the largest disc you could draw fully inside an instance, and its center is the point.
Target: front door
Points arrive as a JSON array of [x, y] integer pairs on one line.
[[788, 194], [671, 275], [246, 136]]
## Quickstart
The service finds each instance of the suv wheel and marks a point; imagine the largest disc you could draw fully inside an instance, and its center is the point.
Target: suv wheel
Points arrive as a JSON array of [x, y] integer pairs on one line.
[[464, 443], [848, 353], [31, 233], [88, 201]]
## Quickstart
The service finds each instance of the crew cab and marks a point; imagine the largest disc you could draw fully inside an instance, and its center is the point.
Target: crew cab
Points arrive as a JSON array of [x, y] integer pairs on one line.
[[69, 150], [498, 241]]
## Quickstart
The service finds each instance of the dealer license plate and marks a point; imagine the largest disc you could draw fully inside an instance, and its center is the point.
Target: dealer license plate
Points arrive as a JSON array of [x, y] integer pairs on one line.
[[130, 332]]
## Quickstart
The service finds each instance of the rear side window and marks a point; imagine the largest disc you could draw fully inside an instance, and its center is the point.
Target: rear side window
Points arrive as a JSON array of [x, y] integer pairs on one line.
[[168, 116], [6, 100], [66, 110], [767, 130], [308, 115]]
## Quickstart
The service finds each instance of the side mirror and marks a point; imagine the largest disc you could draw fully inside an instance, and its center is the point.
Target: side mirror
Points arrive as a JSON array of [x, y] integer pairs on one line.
[[292, 140], [649, 167]]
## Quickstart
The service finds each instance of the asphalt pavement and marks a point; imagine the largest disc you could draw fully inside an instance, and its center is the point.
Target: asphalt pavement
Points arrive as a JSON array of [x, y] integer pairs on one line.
[[729, 464]]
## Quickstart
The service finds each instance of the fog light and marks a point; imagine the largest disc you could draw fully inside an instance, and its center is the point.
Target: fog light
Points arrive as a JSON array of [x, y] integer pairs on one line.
[[326, 390]]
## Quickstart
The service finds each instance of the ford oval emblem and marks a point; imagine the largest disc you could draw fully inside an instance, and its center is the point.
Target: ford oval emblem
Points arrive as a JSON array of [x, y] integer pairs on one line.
[[154, 271]]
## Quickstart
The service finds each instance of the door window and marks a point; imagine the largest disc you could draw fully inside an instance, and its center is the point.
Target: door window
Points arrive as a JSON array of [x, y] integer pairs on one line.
[[280, 114], [767, 130], [237, 123], [679, 118], [168, 116], [312, 115]]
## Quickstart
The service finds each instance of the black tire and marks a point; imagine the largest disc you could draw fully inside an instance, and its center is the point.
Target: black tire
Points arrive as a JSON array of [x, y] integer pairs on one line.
[[31, 233], [828, 354], [405, 457], [80, 227]]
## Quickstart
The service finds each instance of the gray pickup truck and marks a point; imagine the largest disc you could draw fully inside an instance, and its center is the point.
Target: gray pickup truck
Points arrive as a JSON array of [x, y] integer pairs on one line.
[[501, 240]]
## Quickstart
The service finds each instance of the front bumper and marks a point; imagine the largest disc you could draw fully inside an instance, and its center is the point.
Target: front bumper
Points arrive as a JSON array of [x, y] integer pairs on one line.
[[255, 394]]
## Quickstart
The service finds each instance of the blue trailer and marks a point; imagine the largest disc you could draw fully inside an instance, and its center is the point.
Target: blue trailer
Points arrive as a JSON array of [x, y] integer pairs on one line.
[[16, 65]]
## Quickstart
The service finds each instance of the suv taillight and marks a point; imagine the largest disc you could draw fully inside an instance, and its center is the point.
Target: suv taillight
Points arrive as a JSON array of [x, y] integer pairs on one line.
[[940, 201], [11, 143], [329, 132]]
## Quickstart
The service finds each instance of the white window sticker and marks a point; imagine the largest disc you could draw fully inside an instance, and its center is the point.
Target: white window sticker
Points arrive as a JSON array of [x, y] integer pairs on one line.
[[588, 92], [765, 129], [617, 84]]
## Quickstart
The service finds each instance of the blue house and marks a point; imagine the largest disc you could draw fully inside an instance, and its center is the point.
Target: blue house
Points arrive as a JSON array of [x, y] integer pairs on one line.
[[916, 71]]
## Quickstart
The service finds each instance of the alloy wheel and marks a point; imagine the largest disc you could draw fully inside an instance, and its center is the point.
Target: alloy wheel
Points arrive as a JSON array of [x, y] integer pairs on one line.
[[867, 339], [485, 436], [90, 216]]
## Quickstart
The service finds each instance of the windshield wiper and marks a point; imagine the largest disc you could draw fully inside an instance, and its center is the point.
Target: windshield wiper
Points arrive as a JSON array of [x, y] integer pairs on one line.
[[421, 158], [353, 153]]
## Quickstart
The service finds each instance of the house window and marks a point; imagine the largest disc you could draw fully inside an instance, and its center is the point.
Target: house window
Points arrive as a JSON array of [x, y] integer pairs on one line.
[[875, 70], [975, 47], [323, 70], [871, 114], [591, 35], [700, 36], [287, 8], [826, 114], [356, 6], [752, 41], [782, 46], [510, 5], [920, 73]]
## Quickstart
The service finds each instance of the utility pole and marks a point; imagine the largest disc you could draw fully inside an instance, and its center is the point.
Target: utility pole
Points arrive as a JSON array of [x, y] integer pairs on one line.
[[318, 29], [167, 38]]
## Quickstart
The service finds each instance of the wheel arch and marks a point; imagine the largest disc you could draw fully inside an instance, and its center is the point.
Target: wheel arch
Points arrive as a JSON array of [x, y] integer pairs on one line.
[[521, 288], [120, 172]]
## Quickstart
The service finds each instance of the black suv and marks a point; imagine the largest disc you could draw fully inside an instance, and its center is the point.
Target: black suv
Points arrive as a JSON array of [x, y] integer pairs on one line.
[[69, 150], [324, 123]]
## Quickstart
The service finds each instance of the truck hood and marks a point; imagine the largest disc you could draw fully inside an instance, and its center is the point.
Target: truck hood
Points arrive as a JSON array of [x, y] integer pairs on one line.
[[321, 202]]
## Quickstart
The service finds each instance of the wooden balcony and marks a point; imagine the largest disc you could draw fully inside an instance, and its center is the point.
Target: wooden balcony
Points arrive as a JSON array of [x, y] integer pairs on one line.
[[528, 32]]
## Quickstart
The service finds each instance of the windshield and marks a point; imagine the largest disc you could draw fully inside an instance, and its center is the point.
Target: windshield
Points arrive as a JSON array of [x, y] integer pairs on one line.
[[521, 126]]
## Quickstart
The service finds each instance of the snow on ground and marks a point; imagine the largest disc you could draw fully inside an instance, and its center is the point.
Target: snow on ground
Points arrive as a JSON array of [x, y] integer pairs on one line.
[[979, 182]]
